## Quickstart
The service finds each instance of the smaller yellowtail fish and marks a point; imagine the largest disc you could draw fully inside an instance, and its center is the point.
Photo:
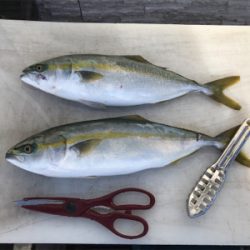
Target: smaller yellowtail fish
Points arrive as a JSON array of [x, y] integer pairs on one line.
[[99, 81], [108, 147]]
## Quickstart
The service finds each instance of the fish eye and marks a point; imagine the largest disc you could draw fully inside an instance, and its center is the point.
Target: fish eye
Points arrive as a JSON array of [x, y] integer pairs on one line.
[[27, 149], [39, 68]]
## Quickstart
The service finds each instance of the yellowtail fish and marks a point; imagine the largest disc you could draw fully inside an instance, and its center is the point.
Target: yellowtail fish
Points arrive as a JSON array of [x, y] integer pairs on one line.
[[99, 81], [114, 146]]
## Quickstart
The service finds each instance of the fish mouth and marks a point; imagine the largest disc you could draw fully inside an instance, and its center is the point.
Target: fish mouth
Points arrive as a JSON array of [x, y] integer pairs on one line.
[[28, 78], [8, 156], [24, 77], [13, 158], [24, 73]]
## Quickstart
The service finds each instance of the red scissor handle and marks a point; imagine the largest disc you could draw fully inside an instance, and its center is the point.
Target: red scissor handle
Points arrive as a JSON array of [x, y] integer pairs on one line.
[[86, 208], [108, 220], [108, 200]]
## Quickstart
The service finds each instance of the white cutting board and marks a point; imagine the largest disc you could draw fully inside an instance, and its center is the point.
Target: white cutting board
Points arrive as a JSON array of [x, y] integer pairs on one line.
[[202, 53]]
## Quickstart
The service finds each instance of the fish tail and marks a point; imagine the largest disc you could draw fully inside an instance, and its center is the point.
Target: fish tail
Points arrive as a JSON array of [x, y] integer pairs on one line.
[[224, 138], [218, 86]]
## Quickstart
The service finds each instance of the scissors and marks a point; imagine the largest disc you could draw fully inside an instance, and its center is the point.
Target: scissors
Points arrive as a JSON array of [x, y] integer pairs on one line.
[[103, 209]]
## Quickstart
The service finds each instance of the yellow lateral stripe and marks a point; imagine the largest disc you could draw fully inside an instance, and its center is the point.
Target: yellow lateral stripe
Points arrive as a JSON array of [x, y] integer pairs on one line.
[[100, 136], [88, 64], [85, 64]]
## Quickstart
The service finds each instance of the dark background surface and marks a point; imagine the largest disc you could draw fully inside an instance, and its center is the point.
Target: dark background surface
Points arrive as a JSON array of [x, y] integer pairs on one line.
[[221, 12], [119, 247], [226, 12]]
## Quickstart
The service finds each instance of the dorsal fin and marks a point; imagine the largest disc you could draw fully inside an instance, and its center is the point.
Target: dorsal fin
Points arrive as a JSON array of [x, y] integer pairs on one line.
[[135, 118], [141, 60], [137, 59]]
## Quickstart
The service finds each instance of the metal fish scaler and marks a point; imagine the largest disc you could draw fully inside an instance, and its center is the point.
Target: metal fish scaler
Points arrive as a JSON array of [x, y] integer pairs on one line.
[[99, 81], [114, 146]]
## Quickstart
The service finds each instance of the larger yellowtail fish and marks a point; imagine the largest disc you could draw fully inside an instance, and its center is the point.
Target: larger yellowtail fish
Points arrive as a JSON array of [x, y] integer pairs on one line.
[[110, 147], [99, 81]]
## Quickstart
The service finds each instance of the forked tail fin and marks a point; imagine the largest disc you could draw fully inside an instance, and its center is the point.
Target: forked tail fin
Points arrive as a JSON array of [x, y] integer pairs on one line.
[[218, 86], [225, 137]]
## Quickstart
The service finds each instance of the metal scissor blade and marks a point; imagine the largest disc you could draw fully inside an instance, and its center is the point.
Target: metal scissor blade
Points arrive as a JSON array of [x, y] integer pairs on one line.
[[102, 209], [54, 205], [36, 202]]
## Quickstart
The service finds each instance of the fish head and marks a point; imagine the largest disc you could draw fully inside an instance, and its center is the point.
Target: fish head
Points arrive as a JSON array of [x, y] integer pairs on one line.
[[38, 153], [47, 75]]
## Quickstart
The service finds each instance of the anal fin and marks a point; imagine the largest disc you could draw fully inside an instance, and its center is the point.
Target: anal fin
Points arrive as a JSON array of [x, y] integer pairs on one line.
[[135, 118], [93, 104]]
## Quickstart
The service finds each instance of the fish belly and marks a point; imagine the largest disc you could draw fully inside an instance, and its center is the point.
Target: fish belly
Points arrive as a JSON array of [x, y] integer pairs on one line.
[[123, 156], [125, 89]]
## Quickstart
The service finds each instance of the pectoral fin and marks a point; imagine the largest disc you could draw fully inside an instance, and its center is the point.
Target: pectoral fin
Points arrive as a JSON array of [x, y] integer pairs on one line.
[[85, 147], [89, 76]]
